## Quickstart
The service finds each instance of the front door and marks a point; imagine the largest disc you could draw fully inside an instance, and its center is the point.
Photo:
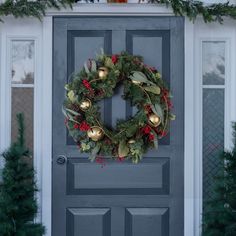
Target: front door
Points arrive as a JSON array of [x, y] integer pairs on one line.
[[120, 199]]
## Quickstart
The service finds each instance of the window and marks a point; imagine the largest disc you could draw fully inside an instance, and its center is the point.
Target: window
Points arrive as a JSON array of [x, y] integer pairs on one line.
[[22, 87], [213, 98]]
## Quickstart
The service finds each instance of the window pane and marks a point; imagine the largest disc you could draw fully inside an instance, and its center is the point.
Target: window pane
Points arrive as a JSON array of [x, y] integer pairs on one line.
[[213, 137], [213, 63], [22, 62], [22, 102]]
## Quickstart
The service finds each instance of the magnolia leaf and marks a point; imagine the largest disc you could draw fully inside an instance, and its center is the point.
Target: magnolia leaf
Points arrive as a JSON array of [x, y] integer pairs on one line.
[[157, 110], [172, 117], [67, 87], [155, 141], [71, 118], [123, 149], [94, 152], [71, 95], [140, 77], [153, 89], [109, 63], [93, 66], [86, 67], [72, 112], [64, 112]]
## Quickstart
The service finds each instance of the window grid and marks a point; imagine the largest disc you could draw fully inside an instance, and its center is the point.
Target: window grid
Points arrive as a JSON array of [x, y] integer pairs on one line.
[[213, 113], [22, 71]]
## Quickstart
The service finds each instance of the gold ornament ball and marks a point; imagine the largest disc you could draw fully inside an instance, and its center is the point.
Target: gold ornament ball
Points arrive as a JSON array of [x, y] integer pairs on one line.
[[95, 133], [131, 141], [102, 72], [85, 105], [154, 120]]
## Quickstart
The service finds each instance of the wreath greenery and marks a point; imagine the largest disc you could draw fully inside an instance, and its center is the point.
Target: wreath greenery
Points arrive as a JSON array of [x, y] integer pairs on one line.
[[189, 8], [143, 87]]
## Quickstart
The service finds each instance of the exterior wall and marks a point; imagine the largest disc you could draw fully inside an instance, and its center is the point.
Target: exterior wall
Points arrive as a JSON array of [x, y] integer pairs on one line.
[[41, 32]]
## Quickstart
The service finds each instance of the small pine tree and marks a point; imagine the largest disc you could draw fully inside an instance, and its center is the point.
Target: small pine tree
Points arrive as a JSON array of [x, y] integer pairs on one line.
[[219, 218], [18, 206]]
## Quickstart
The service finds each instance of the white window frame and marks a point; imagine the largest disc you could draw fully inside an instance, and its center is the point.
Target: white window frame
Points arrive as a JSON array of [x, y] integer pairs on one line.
[[227, 35], [11, 30]]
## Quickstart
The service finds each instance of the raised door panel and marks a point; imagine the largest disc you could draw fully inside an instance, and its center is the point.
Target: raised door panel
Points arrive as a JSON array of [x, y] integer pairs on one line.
[[148, 177], [147, 222], [88, 221]]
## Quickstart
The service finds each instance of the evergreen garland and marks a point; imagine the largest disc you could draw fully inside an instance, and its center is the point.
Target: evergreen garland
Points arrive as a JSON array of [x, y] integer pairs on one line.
[[27, 8], [220, 214], [189, 8], [18, 206], [209, 12]]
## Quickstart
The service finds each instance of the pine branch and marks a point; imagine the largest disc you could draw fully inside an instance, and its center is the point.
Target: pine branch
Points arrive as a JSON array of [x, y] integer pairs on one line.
[[21, 130], [220, 213], [191, 8], [18, 206]]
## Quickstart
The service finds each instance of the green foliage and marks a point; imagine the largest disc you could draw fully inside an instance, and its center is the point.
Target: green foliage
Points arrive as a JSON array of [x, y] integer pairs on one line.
[[191, 9], [22, 8], [220, 214], [18, 206]]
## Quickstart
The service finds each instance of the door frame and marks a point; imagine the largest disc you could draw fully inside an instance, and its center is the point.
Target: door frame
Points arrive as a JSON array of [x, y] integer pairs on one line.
[[189, 218]]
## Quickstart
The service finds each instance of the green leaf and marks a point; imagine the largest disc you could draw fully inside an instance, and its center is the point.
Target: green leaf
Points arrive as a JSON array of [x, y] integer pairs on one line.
[[155, 141], [94, 152], [130, 131], [86, 68], [123, 149], [109, 63], [153, 89], [140, 77], [172, 117], [72, 112], [64, 112], [93, 66], [158, 111]]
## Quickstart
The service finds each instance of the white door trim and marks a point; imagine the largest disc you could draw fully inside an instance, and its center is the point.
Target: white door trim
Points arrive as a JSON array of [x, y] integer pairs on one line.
[[189, 191], [189, 127], [47, 39]]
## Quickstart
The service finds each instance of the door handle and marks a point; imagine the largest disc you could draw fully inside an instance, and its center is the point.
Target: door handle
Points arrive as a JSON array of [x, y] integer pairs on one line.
[[61, 159]]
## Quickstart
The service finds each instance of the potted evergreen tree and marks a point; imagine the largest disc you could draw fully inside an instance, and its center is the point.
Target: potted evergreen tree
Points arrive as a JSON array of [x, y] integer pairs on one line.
[[18, 206], [219, 218]]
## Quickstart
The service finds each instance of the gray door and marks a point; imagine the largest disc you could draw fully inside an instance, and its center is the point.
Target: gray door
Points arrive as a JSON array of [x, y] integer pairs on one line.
[[120, 199]]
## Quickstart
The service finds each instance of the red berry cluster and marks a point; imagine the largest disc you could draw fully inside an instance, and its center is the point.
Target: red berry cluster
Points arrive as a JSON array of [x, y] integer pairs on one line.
[[147, 131], [86, 84], [84, 126]]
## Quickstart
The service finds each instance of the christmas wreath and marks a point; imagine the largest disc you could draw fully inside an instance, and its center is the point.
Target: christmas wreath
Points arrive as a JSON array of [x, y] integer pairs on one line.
[[143, 87]]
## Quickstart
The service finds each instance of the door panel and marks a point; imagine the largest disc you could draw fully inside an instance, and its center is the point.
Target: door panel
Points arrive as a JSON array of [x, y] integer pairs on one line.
[[120, 199], [139, 221], [151, 176], [88, 221]]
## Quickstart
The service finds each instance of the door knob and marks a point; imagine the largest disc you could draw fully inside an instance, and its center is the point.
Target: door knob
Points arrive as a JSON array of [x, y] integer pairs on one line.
[[61, 159]]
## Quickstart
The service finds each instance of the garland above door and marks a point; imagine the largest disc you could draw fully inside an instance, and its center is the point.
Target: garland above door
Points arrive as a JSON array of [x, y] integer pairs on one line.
[[191, 9]]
